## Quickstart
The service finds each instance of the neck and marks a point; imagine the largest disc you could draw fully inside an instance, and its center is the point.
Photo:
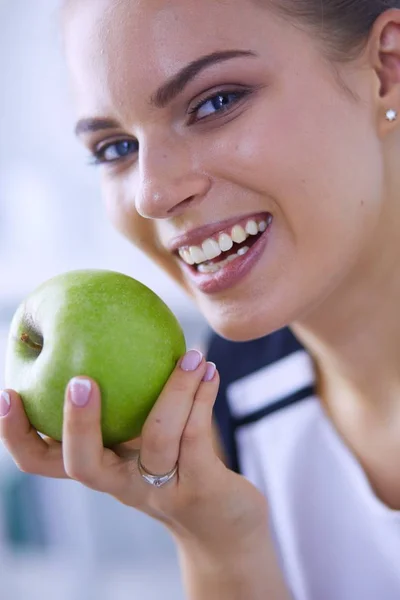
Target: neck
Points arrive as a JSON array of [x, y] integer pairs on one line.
[[354, 338], [354, 335]]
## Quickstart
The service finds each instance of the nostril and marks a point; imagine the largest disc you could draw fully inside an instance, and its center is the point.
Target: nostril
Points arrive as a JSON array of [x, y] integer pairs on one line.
[[184, 204]]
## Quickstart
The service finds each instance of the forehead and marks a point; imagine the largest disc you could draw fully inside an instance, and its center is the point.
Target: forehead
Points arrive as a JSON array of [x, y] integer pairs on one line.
[[115, 45]]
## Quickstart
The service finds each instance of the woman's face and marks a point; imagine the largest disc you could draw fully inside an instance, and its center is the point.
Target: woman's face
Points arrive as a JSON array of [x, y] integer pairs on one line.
[[259, 135]]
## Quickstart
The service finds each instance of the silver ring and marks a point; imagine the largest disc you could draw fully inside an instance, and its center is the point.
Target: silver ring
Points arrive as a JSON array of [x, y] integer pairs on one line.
[[156, 480]]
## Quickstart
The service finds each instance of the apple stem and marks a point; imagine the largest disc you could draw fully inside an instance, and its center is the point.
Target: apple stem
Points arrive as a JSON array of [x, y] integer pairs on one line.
[[27, 340]]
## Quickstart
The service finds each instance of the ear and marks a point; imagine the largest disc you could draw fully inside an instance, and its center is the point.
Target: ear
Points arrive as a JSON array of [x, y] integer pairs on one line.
[[385, 47]]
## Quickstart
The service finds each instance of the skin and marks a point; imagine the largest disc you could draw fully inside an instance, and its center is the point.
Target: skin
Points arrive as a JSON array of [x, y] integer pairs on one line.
[[309, 144], [331, 267], [251, 160]]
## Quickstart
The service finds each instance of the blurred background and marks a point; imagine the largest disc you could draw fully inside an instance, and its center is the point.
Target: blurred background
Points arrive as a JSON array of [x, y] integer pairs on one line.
[[58, 538]]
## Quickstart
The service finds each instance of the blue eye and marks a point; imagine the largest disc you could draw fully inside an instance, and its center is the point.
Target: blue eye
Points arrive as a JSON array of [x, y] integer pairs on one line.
[[115, 151], [216, 104]]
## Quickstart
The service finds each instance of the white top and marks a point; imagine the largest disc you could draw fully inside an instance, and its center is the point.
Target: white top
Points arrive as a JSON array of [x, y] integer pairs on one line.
[[335, 538]]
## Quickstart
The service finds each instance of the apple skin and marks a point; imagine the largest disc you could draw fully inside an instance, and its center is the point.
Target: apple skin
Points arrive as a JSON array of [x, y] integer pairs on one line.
[[101, 324]]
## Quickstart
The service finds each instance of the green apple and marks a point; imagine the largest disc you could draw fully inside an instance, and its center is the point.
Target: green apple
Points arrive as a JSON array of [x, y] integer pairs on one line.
[[102, 324]]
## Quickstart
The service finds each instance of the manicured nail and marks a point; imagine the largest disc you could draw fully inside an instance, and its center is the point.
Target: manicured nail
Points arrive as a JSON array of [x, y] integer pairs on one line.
[[191, 360], [210, 371], [79, 391], [5, 403]]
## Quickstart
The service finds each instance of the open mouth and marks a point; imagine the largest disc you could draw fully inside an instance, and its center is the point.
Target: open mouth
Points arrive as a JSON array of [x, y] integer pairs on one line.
[[223, 260], [226, 246], [237, 250]]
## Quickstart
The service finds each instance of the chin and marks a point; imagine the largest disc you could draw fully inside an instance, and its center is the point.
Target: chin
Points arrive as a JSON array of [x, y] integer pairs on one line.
[[245, 329]]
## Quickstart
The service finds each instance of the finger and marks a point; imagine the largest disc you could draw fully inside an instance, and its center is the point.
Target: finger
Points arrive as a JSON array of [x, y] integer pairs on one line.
[[197, 443], [163, 428], [82, 438], [31, 453], [128, 449]]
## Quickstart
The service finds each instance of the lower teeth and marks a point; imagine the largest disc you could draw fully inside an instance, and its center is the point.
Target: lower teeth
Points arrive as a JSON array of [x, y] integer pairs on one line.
[[215, 267]]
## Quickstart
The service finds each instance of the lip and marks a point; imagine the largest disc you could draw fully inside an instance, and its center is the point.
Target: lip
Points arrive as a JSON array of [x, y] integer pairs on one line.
[[232, 273], [196, 236]]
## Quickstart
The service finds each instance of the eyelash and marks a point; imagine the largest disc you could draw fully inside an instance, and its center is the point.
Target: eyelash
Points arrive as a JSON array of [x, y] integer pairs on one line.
[[219, 94], [98, 155]]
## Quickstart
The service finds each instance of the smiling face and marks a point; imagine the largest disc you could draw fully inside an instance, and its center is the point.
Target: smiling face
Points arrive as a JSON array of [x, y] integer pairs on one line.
[[209, 117]]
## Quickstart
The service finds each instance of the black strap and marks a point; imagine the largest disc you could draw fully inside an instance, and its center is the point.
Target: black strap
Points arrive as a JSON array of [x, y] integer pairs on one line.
[[298, 396], [236, 360]]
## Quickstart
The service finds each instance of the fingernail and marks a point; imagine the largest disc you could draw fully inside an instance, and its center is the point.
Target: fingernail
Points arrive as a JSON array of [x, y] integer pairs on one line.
[[210, 371], [79, 391], [5, 403], [191, 360]]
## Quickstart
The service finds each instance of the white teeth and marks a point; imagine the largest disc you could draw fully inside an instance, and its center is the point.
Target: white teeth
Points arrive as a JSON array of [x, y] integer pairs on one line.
[[238, 234], [197, 255], [204, 268], [214, 267], [251, 228], [211, 249], [262, 226], [186, 256], [225, 242]]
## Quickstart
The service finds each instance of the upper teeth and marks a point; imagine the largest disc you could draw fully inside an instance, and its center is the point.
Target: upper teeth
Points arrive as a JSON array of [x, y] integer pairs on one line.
[[212, 248]]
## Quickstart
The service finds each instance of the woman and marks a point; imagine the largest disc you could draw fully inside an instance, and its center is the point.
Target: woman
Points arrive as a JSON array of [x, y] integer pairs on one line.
[[253, 150]]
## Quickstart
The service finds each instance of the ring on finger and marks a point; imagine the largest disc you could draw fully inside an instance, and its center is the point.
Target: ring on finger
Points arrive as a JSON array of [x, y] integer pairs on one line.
[[156, 480]]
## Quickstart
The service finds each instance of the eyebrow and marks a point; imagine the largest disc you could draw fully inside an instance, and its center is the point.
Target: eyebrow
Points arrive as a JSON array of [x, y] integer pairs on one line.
[[176, 84], [94, 124], [169, 90]]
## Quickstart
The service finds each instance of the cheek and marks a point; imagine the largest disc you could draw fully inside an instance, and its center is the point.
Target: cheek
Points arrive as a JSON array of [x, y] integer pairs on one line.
[[320, 173], [120, 208], [316, 164], [119, 202]]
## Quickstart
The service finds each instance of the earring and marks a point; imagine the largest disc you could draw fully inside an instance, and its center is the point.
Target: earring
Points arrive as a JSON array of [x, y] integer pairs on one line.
[[391, 115]]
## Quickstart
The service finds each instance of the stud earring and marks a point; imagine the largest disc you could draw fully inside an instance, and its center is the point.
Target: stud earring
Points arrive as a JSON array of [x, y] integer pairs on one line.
[[391, 115]]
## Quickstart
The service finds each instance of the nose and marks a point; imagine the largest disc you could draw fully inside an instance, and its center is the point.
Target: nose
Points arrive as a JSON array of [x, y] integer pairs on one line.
[[170, 180]]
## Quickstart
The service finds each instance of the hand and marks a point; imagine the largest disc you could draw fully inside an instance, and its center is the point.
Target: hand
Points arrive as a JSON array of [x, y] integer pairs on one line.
[[204, 502]]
